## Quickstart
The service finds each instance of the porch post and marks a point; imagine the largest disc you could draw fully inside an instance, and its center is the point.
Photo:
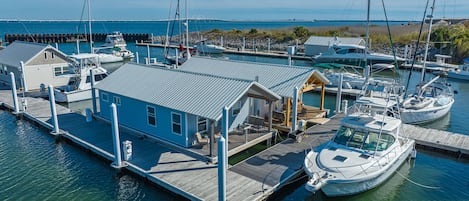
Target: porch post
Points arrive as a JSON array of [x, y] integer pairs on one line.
[[295, 110], [323, 93], [271, 111], [212, 134], [287, 113]]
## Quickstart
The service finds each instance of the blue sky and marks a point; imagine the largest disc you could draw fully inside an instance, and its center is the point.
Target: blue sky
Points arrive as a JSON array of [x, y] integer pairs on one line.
[[231, 9]]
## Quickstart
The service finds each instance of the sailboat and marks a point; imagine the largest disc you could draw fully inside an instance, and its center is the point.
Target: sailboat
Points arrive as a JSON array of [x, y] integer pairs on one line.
[[102, 57], [431, 100], [183, 53], [366, 150]]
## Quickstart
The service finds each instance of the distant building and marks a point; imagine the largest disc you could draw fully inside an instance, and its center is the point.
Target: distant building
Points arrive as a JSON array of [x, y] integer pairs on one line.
[[320, 44], [43, 65], [173, 105]]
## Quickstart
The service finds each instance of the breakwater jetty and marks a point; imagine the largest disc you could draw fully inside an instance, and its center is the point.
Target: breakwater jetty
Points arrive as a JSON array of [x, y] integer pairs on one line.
[[69, 37], [177, 171]]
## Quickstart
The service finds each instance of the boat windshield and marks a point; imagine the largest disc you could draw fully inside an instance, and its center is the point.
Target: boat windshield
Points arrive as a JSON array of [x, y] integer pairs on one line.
[[364, 140]]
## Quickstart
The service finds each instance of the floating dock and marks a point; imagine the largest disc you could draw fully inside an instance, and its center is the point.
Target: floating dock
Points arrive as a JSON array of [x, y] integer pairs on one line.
[[249, 52], [177, 171]]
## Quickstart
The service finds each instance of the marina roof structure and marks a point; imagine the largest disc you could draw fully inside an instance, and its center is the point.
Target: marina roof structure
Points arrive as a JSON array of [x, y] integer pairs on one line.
[[281, 79], [326, 40], [195, 93], [19, 51]]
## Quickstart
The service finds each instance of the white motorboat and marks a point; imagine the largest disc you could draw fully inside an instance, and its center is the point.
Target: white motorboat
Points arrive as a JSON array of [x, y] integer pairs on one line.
[[438, 65], [366, 150], [204, 48], [462, 72], [115, 45], [79, 86], [354, 55], [431, 100]]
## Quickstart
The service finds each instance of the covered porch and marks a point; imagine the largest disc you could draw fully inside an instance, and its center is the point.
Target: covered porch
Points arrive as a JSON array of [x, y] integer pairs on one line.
[[293, 109]]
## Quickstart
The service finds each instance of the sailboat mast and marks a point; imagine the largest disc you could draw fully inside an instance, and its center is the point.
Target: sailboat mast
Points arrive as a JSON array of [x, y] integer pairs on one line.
[[427, 42], [367, 41], [187, 31], [89, 26]]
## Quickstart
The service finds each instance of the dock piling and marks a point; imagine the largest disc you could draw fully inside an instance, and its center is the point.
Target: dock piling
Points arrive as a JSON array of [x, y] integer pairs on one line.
[[137, 60], [93, 91], [224, 126], [115, 137], [53, 110], [222, 145], [14, 93], [339, 94]]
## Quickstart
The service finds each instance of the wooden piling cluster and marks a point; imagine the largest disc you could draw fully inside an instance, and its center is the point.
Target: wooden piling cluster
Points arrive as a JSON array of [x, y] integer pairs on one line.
[[70, 37]]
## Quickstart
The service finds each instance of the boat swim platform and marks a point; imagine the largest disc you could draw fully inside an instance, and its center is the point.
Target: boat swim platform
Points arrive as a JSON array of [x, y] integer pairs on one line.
[[183, 174]]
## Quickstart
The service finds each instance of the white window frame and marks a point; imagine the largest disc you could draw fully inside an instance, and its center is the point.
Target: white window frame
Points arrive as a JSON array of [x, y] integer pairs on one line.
[[172, 123], [116, 100], [154, 116], [202, 120], [105, 95]]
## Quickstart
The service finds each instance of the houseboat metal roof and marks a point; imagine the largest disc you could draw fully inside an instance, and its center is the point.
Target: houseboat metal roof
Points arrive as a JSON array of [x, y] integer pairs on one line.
[[281, 79], [195, 93], [19, 51]]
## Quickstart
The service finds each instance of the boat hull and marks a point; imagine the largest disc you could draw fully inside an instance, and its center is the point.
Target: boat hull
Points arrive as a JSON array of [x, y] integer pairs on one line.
[[73, 96], [425, 115], [459, 75], [336, 188]]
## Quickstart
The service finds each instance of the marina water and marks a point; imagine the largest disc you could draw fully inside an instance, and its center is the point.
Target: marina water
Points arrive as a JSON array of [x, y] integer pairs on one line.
[[36, 167]]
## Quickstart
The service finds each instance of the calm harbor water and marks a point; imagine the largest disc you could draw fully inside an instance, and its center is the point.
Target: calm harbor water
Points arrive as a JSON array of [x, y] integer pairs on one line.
[[35, 167]]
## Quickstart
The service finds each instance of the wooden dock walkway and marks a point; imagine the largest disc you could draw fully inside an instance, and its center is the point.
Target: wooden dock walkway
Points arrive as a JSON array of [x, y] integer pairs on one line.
[[277, 54], [252, 179]]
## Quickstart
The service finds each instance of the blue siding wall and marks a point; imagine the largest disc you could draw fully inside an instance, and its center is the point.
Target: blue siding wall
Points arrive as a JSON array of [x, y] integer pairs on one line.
[[133, 114]]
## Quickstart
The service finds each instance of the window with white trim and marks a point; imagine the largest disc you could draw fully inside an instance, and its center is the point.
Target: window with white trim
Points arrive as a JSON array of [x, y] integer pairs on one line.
[[104, 97], [116, 100], [202, 124], [151, 115], [176, 123]]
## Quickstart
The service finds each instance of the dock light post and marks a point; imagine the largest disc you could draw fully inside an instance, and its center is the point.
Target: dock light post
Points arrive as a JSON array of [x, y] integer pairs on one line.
[[53, 111], [222, 155], [93, 91], [295, 112], [14, 93], [115, 137], [339, 94]]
